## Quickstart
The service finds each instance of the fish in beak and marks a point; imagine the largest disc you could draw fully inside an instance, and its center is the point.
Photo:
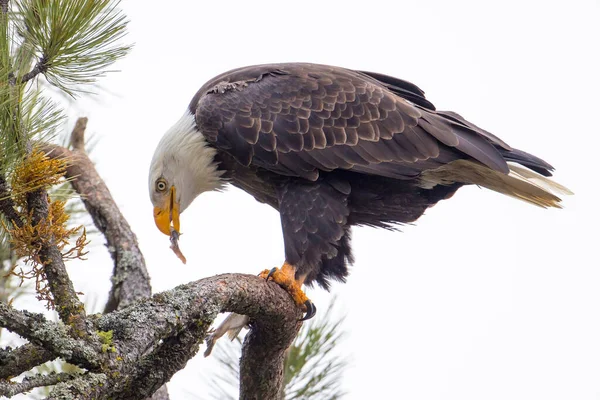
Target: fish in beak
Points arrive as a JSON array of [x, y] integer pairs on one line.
[[166, 213]]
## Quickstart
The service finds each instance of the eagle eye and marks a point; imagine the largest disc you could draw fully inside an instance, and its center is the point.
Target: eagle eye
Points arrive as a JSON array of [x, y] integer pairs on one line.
[[161, 185]]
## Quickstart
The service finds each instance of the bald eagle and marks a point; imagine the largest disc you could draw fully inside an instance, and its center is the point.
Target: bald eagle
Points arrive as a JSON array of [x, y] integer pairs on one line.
[[330, 148]]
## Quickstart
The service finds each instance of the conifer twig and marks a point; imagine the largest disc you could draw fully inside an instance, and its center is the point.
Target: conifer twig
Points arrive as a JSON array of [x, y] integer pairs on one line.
[[40, 67], [7, 206]]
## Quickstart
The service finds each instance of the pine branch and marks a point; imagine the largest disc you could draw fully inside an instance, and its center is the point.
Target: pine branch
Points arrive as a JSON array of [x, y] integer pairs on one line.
[[75, 40], [7, 206], [192, 308], [40, 67], [130, 280], [10, 389]]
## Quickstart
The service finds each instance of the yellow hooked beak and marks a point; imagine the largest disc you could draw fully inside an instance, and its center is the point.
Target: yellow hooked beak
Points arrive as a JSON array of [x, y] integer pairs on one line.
[[167, 213]]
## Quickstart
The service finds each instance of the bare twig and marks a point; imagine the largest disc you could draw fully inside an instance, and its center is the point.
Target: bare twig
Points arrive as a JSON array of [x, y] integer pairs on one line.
[[14, 362], [130, 278], [78, 134], [10, 389]]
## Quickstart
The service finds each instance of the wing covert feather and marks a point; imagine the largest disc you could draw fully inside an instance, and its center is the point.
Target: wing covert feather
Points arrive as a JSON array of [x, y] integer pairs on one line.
[[297, 119]]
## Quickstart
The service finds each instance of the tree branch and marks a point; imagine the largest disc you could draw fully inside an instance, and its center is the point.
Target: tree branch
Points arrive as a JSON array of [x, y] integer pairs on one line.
[[70, 309], [10, 389], [67, 304], [189, 310], [130, 280], [154, 338], [7, 206], [87, 387], [14, 362], [40, 67], [52, 336]]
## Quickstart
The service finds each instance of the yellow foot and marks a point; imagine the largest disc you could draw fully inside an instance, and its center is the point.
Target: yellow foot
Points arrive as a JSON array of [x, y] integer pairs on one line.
[[286, 278]]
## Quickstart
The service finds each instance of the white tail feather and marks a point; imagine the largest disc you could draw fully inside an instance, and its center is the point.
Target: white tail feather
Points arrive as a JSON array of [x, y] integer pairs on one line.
[[520, 183], [537, 179]]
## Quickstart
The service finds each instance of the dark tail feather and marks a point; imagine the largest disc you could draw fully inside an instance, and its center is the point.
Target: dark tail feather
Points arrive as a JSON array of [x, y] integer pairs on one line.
[[527, 160]]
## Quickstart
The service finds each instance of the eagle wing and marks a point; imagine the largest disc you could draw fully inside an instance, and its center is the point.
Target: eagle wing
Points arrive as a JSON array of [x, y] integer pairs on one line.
[[299, 119]]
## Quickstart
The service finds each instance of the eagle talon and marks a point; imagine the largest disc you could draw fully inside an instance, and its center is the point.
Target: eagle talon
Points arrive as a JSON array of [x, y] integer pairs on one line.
[[285, 277], [271, 272], [311, 310]]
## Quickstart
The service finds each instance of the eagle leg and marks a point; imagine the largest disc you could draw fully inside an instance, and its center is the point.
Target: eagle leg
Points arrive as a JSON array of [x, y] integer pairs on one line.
[[286, 278]]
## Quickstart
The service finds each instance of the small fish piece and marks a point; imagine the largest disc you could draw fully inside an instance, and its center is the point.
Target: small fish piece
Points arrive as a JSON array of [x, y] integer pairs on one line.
[[232, 325], [175, 245]]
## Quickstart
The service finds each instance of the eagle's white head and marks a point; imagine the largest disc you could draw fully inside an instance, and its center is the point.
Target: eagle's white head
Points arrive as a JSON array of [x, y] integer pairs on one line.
[[183, 166]]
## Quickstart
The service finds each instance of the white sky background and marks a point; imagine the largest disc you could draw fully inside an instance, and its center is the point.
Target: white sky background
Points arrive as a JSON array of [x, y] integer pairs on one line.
[[486, 297]]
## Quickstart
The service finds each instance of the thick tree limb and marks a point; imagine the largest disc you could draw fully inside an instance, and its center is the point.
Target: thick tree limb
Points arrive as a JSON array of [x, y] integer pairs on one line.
[[14, 362], [10, 389], [154, 338], [189, 310], [130, 278]]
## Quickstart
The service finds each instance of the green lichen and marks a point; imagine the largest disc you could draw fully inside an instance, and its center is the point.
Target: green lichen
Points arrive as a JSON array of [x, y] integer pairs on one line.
[[106, 338]]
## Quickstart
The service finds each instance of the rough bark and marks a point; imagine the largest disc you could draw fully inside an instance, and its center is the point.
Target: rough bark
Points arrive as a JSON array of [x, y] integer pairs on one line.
[[31, 382], [55, 337], [154, 338], [16, 361]]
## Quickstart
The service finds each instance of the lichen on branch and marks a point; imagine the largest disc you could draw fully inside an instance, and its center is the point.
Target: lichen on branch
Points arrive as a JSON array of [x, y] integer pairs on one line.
[[37, 173]]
